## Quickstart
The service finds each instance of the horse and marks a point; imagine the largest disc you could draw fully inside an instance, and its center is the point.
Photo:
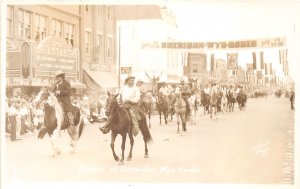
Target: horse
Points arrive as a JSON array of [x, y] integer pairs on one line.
[[231, 100], [205, 98], [219, 101], [224, 103], [241, 99], [121, 123], [146, 104], [213, 104], [194, 107], [162, 105], [55, 121], [180, 111]]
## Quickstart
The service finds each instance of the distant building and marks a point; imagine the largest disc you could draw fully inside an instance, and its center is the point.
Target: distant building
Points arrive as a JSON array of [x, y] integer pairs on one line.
[[138, 32]]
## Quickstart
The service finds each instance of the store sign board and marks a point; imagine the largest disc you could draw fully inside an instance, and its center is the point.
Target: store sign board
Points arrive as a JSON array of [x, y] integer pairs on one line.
[[53, 54]]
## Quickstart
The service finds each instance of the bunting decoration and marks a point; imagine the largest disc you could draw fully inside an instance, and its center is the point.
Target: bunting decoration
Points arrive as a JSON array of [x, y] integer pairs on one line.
[[232, 61]]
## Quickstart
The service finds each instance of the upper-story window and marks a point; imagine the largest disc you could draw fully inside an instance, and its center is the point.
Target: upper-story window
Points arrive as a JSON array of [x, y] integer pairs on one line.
[[57, 28], [69, 31], [9, 21], [24, 26], [40, 27]]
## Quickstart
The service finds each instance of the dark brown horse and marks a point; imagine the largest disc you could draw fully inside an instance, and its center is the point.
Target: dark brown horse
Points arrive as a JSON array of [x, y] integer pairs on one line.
[[146, 104], [162, 105], [241, 99], [121, 123]]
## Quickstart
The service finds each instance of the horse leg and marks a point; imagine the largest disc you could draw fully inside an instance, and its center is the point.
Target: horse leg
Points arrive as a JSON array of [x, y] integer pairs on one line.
[[178, 122], [146, 151], [123, 146], [159, 117], [131, 146], [112, 145], [73, 132], [165, 116], [149, 116], [54, 140], [183, 121]]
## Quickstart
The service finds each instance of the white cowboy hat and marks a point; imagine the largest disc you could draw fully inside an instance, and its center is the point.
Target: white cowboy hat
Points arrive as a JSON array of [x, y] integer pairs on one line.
[[129, 77], [59, 72]]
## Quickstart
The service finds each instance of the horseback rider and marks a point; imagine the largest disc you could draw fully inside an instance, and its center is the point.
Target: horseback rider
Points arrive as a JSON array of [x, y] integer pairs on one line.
[[62, 90], [164, 90], [184, 90], [129, 96]]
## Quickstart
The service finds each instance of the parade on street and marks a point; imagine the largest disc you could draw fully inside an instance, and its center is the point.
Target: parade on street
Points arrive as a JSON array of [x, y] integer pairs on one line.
[[171, 92]]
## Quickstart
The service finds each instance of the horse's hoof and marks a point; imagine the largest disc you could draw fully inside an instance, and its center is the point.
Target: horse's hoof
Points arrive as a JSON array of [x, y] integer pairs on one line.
[[146, 156], [58, 152], [178, 132], [117, 158], [128, 159]]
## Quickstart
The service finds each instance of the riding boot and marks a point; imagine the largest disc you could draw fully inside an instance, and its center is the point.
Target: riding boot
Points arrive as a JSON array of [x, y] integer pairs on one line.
[[70, 118], [135, 126]]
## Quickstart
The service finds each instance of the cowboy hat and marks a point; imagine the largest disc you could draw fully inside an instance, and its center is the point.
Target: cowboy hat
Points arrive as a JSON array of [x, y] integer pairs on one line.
[[59, 72], [129, 77]]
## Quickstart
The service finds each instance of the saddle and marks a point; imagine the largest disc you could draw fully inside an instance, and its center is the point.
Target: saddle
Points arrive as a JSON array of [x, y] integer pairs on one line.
[[179, 102], [76, 117]]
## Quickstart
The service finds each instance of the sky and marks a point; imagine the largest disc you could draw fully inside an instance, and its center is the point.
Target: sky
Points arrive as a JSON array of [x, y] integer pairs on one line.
[[241, 20]]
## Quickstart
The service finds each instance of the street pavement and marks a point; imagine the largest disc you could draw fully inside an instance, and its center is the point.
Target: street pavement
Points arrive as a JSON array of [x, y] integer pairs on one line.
[[254, 146]]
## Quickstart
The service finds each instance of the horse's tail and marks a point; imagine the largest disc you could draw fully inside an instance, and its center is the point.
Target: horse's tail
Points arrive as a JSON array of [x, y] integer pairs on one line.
[[42, 133], [81, 124], [145, 130]]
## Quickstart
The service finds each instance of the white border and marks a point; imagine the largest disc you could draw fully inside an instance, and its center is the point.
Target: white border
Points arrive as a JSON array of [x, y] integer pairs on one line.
[[136, 185]]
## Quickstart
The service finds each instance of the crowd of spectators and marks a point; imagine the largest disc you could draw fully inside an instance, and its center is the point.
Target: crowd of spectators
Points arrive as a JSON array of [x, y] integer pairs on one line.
[[24, 116]]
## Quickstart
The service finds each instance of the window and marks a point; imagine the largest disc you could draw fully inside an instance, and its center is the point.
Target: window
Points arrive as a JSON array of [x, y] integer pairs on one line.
[[109, 47], [57, 28], [109, 12], [69, 30], [9, 22], [98, 10], [40, 30], [24, 26], [87, 42], [99, 42]]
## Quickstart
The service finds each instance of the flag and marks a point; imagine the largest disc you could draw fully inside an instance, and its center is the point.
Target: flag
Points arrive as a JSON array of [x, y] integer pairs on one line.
[[265, 68], [254, 60], [282, 56], [261, 54], [250, 69], [259, 74], [232, 61], [212, 62]]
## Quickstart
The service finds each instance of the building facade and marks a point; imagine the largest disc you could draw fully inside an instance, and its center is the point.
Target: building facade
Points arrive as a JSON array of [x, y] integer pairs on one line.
[[138, 34], [41, 39]]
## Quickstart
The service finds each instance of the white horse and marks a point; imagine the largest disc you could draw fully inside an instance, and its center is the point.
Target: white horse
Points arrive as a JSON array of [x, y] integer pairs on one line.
[[193, 101], [224, 103]]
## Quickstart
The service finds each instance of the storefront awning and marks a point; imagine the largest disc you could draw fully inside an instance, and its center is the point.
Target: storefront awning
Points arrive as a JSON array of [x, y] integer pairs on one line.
[[98, 79]]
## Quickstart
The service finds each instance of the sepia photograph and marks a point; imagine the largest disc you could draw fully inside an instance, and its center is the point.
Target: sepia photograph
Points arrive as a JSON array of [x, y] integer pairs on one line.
[[176, 93]]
